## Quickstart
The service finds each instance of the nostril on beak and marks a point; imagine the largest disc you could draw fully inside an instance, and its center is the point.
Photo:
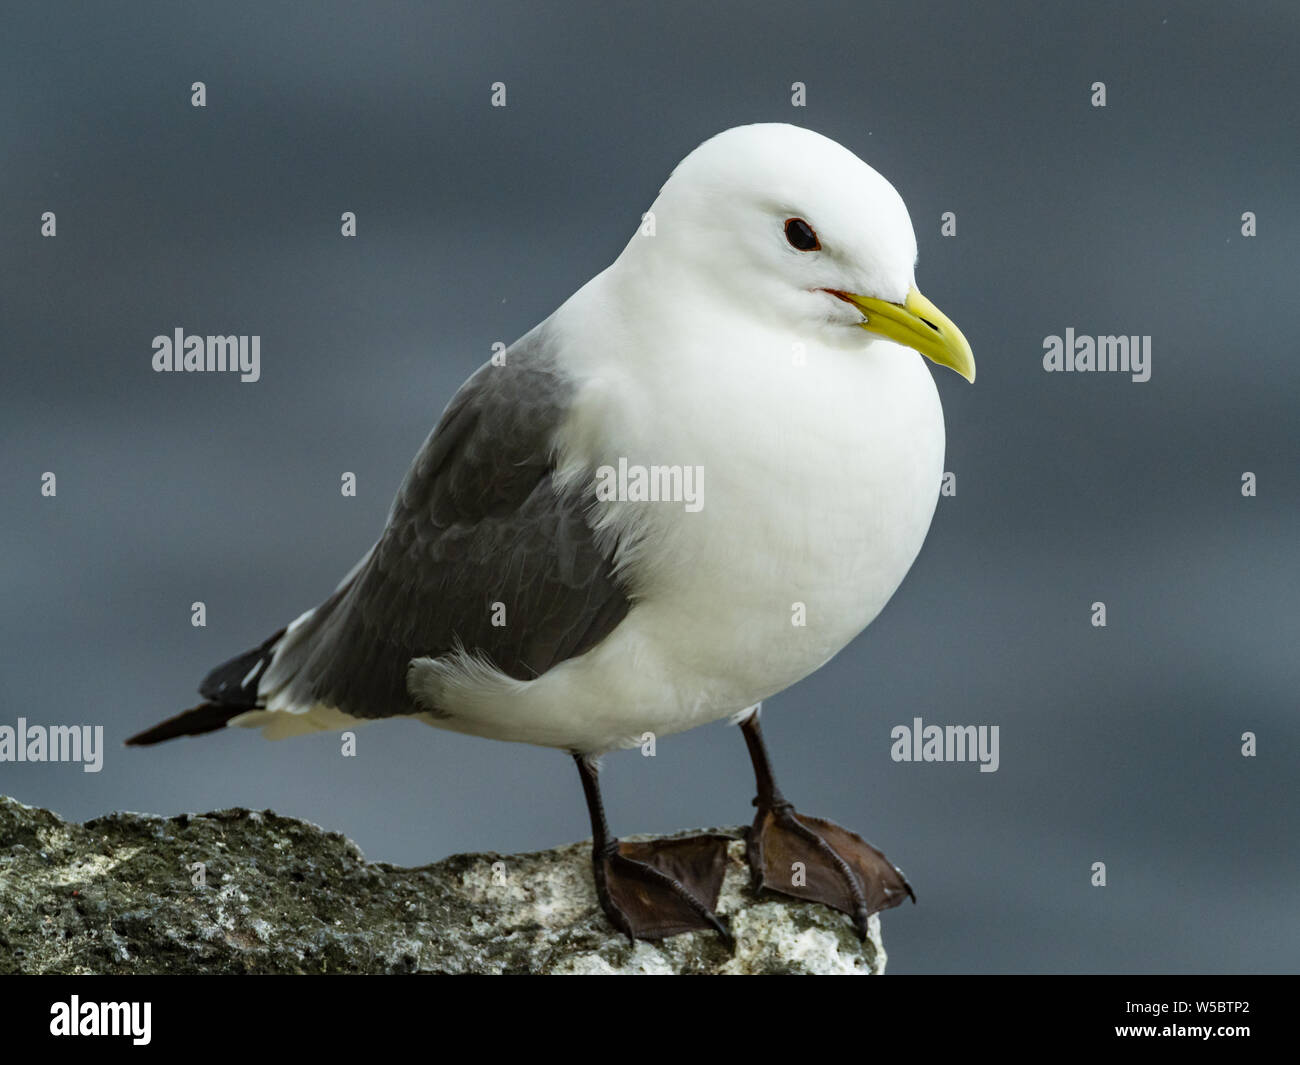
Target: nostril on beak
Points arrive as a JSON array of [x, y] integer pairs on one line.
[[929, 323]]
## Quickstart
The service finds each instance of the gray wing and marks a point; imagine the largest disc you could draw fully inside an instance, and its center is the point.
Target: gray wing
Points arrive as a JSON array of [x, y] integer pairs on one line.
[[476, 522]]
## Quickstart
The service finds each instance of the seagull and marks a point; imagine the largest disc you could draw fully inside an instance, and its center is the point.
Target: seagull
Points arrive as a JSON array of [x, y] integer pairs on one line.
[[761, 341]]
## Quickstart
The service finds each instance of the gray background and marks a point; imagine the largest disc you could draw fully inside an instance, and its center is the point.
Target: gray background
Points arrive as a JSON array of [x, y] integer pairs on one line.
[[1119, 745]]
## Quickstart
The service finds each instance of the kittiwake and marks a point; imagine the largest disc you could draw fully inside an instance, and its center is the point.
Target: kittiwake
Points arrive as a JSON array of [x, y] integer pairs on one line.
[[682, 492]]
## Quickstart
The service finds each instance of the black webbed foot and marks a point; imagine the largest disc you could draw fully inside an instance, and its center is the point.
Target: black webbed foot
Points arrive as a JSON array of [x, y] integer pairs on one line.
[[813, 859], [656, 888]]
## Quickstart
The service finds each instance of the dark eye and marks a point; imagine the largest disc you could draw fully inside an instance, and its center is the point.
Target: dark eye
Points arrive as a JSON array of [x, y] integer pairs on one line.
[[801, 235]]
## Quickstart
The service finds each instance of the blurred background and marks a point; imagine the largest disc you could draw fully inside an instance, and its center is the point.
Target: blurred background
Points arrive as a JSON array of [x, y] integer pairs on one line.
[[1120, 744]]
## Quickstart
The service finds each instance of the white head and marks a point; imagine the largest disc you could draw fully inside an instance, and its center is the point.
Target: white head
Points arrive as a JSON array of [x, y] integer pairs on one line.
[[789, 224]]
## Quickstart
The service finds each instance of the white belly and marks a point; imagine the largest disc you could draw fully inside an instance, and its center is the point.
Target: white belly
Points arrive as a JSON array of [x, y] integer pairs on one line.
[[819, 485]]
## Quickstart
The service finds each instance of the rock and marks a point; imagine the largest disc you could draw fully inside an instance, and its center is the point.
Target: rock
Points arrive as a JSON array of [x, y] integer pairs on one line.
[[125, 894]]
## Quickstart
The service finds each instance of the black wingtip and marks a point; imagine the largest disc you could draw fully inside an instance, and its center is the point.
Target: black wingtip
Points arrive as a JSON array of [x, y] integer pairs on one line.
[[207, 717], [235, 681]]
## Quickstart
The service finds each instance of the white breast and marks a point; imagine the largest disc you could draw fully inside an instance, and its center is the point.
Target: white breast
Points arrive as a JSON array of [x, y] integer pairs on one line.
[[821, 470], [820, 480]]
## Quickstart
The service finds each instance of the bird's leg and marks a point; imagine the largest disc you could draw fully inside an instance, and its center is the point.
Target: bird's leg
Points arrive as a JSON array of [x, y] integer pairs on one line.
[[656, 888], [814, 859]]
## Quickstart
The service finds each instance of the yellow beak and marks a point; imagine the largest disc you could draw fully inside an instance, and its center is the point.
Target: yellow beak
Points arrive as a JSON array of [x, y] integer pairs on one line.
[[917, 323]]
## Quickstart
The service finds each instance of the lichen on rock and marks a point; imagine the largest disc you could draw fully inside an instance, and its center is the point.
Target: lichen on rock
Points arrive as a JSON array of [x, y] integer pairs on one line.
[[241, 891]]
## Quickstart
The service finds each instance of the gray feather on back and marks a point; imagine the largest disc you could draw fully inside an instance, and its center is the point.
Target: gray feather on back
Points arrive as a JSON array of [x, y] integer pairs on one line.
[[477, 522]]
